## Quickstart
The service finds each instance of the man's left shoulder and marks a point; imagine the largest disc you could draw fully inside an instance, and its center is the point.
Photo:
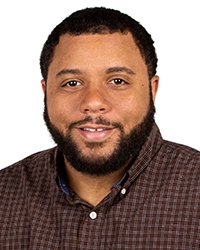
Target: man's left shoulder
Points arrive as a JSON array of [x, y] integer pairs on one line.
[[181, 154]]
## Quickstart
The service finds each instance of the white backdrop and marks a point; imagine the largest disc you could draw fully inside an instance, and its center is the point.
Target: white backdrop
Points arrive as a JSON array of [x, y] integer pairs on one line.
[[24, 27]]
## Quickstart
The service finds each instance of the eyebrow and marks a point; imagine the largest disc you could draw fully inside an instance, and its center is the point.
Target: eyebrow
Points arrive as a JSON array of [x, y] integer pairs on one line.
[[118, 69], [68, 71], [110, 70]]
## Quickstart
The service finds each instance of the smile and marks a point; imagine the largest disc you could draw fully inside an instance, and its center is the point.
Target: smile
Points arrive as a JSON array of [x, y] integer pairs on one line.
[[94, 129], [95, 133]]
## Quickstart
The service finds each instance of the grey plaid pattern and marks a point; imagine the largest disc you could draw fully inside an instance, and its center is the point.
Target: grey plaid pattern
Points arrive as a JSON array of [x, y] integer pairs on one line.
[[158, 206]]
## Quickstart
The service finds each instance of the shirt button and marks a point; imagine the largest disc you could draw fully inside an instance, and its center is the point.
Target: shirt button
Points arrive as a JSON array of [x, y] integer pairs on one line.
[[123, 191], [93, 215]]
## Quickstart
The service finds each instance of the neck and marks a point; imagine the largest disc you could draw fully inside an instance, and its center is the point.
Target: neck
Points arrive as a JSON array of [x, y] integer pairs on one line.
[[90, 188]]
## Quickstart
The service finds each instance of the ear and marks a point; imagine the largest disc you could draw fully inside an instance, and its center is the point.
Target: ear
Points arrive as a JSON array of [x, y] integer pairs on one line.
[[154, 86], [43, 83]]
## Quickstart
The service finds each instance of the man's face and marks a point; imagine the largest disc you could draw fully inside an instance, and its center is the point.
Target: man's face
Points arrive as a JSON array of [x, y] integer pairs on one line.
[[97, 92]]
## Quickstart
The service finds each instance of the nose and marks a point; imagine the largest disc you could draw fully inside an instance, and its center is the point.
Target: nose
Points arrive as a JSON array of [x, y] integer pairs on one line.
[[95, 101]]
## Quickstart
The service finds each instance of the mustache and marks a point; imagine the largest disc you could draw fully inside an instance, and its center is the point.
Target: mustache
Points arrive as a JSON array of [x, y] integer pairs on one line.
[[98, 121]]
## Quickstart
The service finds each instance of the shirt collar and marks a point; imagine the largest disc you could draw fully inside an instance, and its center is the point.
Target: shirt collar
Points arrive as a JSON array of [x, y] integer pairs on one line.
[[62, 182], [63, 185], [151, 146]]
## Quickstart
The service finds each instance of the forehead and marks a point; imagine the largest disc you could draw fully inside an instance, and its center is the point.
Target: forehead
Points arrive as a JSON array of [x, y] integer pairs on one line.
[[117, 41], [90, 50]]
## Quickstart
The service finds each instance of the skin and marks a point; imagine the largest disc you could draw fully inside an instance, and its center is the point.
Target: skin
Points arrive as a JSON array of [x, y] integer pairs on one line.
[[97, 75]]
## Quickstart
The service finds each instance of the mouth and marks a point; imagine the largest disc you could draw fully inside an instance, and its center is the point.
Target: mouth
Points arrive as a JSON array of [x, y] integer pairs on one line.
[[93, 133], [94, 129]]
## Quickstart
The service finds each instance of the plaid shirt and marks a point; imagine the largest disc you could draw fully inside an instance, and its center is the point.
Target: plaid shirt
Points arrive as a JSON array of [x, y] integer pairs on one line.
[[157, 205]]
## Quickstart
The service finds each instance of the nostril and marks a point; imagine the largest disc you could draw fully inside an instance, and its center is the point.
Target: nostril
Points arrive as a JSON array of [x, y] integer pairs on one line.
[[94, 110], [94, 103], [102, 109]]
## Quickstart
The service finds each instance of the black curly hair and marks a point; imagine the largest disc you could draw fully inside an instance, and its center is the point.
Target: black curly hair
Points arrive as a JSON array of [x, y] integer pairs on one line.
[[100, 20]]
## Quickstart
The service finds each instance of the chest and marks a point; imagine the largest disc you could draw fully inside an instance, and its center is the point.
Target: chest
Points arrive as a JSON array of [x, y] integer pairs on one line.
[[162, 220]]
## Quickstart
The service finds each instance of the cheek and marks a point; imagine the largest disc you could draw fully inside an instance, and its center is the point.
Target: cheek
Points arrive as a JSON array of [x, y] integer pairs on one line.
[[132, 111], [59, 111]]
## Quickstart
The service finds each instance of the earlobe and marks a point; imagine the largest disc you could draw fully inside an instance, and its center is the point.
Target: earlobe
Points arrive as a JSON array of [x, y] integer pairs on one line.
[[43, 83], [154, 86]]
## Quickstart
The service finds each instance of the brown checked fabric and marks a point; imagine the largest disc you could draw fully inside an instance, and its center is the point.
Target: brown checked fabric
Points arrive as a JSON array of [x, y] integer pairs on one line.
[[157, 205]]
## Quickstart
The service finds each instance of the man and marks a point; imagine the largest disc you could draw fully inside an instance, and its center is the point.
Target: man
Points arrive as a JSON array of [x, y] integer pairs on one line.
[[112, 182]]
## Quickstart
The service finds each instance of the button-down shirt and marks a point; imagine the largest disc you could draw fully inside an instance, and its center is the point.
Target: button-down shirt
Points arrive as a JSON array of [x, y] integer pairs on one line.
[[155, 206]]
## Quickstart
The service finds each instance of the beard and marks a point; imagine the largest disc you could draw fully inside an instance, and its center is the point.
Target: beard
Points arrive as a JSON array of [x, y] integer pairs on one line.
[[125, 150]]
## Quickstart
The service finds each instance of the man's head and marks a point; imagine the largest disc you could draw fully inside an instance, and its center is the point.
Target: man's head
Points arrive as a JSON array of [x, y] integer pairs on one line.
[[99, 69]]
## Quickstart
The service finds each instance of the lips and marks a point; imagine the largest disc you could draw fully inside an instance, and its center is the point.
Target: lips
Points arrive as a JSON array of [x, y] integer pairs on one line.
[[95, 133]]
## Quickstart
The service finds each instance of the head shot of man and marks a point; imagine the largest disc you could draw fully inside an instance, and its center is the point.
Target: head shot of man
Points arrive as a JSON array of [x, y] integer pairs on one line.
[[112, 181]]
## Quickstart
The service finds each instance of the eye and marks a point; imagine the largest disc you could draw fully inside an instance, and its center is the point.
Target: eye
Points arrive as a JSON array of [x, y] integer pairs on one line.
[[72, 84], [118, 81]]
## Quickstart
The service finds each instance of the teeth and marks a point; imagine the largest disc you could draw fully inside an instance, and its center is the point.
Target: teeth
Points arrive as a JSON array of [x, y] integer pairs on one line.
[[100, 129], [90, 129], [93, 129]]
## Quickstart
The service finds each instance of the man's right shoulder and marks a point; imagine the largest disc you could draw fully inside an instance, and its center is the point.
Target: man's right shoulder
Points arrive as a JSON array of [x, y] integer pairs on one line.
[[24, 188], [31, 164]]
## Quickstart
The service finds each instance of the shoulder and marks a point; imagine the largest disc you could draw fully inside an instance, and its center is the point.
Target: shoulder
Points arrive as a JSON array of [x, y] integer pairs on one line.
[[24, 187], [180, 157], [30, 167], [180, 149], [33, 159]]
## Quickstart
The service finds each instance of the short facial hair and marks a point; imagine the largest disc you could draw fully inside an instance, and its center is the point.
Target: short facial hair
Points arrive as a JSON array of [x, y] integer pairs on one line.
[[125, 150]]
